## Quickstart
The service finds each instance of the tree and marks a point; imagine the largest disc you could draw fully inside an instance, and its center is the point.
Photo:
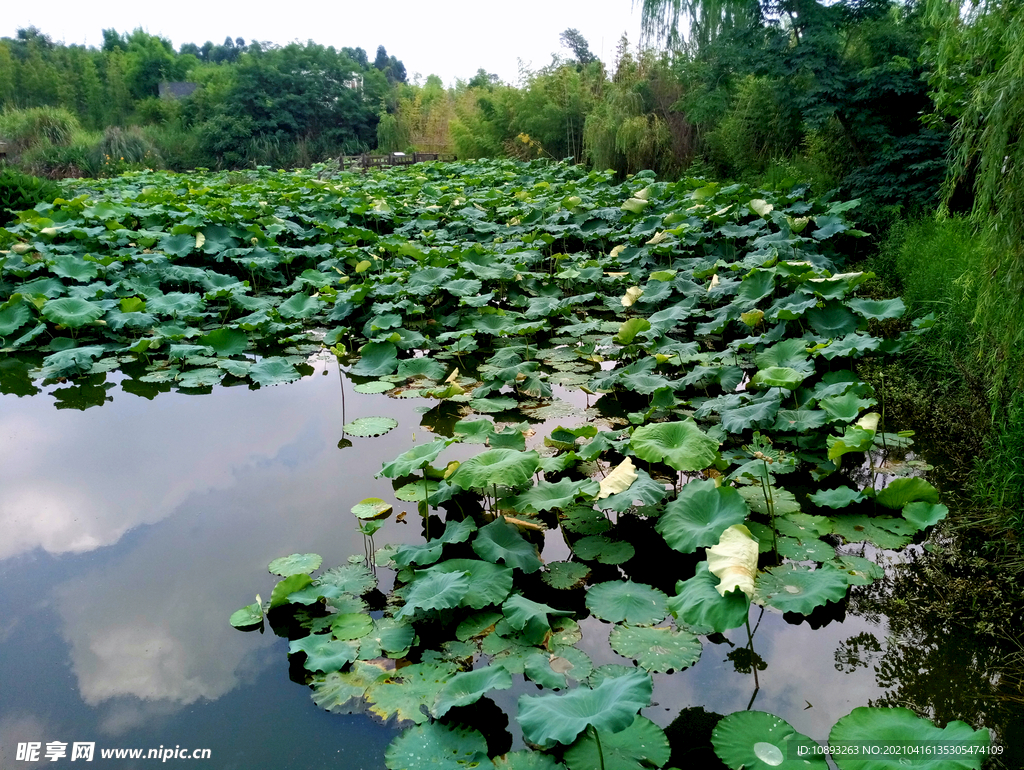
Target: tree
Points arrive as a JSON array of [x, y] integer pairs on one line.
[[575, 42]]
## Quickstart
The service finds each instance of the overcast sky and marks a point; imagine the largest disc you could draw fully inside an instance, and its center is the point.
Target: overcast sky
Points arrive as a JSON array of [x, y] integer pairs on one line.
[[451, 39]]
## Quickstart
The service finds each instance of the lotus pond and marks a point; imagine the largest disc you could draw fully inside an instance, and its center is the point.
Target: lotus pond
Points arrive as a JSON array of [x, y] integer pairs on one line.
[[558, 472]]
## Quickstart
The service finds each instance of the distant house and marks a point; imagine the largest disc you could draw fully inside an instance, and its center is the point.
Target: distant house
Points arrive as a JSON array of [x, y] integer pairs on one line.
[[177, 90]]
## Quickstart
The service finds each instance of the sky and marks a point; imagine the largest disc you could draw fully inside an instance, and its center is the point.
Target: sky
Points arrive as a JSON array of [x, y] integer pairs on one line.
[[452, 39]]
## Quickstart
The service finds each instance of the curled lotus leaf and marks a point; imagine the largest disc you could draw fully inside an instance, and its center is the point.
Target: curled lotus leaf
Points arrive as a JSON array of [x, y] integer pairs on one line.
[[619, 480], [733, 560], [756, 740], [248, 616], [414, 459], [901, 492], [501, 542], [699, 605], [610, 706], [778, 377], [468, 687]]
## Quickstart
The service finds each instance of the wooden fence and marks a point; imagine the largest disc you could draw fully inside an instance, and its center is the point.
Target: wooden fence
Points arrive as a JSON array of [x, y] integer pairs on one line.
[[364, 162]]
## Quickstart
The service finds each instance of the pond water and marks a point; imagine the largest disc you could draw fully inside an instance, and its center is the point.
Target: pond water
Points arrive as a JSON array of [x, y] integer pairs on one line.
[[129, 533]]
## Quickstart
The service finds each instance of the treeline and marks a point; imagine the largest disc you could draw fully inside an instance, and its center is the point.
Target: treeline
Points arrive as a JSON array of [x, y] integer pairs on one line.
[[76, 109]]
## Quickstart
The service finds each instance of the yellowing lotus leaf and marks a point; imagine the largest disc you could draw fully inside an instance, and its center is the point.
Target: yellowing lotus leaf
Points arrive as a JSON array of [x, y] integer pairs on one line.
[[714, 282], [618, 250], [619, 480], [633, 293], [734, 560], [658, 238], [869, 421]]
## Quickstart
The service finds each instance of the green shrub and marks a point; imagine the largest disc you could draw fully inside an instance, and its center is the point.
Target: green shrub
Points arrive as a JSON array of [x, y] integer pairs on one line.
[[25, 129], [19, 192], [124, 149], [74, 159], [180, 148]]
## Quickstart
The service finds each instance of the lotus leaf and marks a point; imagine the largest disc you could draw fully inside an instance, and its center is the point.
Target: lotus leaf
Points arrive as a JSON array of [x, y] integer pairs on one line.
[[901, 492], [434, 591], [469, 686], [659, 649], [859, 571], [527, 760], [488, 583], [364, 427], [645, 490], [175, 304], [546, 495], [778, 377], [700, 514], [374, 386], [845, 407], [351, 625], [330, 655], [924, 514], [389, 637], [295, 564], [402, 694], [501, 542], [756, 740], [507, 467], [416, 491], [13, 315], [444, 747], [902, 727], [681, 445], [625, 601], [540, 668], [529, 617], [758, 412], [629, 329], [733, 560], [602, 549], [565, 575], [226, 342], [72, 312], [856, 528], [248, 616], [641, 745], [836, 498], [804, 549], [273, 371], [285, 588], [803, 525], [700, 605], [376, 359], [611, 707], [414, 459], [791, 588], [343, 693], [372, 508], [878, 310], [351, 578], [476, 625]]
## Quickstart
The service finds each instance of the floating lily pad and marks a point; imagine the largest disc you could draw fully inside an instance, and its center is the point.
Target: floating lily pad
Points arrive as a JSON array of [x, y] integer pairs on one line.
[[660, 649], [372, 508], [858, 571], [755, 740], [250, 615], [295, 564], [342, 692], [365, 427], [603, 549], [836, 498], [636, 603], [792, 588], [401, 695], [374, 386], [565, 575], [444, 747]]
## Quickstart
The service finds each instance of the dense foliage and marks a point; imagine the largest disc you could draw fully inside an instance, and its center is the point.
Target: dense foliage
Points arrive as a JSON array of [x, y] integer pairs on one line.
[[730, 455]]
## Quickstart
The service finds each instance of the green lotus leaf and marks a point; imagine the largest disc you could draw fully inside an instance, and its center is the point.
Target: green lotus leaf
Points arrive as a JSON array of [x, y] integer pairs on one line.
[[901, 492], [473, 431], [527, 760], [373, 386], [299, 306], [878, 310], [403, 693], [856, 528], [778, 377], [681, 445], [851, 346], [433, 591], [501, 542], [200, 378], [416, 491], [903, 728], [493, 405], [355, 579], [75, 268], [641, 745], [438, 746], [603, 549], [803, 525], [330, 655], [625, 601], [476, 625], [529, 617], [226, 342], [791, 588], [470, 686], [285, 588], [924, 514], [273, 371], [538, 667], [546, 495], [372, 508], [565, 575], [698, 603], [832, 321], [414, 459], [507, 467], [799, 420], [488, 583], [836, 498], [756, 740], [644, 490], [72, 312], [611, 707], [13, 315], [804, 549], [845, 407], [756, 413], [365, 427], [389, 636], [657, 650], [295, 564], [789, 354], [629, 329], [175, 304], [342, 692], [248, 616], [376, 359], [858, 571], [422, 367], [700, 514]]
